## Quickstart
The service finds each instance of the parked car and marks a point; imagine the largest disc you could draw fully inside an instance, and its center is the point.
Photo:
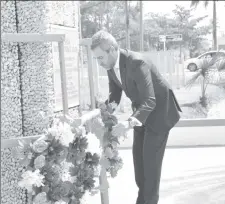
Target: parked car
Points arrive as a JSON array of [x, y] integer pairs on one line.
[[193, 64]]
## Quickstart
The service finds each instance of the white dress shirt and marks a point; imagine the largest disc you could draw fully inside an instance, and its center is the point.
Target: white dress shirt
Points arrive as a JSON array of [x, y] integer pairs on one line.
[[117, 67]]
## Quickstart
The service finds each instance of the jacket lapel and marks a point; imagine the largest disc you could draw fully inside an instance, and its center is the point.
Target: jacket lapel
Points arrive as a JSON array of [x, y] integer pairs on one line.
[[114, 77], [123, 59], [122, 67]]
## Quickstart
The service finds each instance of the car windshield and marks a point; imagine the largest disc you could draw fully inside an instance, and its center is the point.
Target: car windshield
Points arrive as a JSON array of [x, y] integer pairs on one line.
[[209, 55]]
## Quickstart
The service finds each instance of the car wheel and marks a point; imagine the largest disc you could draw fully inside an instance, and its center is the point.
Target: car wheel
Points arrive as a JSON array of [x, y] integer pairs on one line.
[[192, 67]]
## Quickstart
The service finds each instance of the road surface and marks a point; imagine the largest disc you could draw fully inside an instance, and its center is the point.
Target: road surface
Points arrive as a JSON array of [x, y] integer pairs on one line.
[[189, 176]]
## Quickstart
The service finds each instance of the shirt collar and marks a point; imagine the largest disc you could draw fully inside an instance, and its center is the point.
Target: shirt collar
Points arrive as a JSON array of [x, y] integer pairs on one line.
[[117, 65]]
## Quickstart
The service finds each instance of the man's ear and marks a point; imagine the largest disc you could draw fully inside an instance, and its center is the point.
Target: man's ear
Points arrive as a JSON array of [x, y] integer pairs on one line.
[[111, 49]]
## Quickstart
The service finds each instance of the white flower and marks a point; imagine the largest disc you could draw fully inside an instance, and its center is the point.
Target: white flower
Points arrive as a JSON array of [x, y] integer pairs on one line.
[[93, 144], [40, 145], [97, 170], [80, 130], [40, 198], [60, 202], [53, 131], [63, 133], [39, 162], [67, 177], [31, 179]]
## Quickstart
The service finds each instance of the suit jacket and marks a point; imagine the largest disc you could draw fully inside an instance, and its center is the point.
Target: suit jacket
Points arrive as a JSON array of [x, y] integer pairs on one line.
[[153, 101]]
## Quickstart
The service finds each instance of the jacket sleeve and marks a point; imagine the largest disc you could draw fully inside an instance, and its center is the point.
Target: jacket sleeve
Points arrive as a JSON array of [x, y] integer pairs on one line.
[[143, 80], [115, 92]]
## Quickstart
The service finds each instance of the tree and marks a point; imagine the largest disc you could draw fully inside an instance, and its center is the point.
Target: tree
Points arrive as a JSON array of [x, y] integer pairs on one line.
[[206, 2], [155, 25], [110, 16], [193, 35], [210, 72], [182, 23]]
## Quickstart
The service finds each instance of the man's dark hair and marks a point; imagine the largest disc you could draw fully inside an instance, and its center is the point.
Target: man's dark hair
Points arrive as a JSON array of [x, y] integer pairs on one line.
[[104, 40]]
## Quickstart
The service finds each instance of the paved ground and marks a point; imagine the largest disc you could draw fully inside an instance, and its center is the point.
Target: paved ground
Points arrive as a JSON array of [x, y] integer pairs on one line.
[[189, 176]]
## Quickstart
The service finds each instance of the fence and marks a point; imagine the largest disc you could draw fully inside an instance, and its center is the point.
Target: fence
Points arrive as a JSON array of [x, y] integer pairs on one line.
[[168, 64]]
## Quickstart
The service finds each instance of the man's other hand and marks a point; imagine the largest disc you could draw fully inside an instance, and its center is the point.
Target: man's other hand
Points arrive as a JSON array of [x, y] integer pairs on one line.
[[134, 122]]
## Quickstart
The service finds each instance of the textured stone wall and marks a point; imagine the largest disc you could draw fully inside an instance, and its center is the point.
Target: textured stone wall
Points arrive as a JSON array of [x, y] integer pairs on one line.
[[27, 89], [36, 67], [11, 117], [10, 76]]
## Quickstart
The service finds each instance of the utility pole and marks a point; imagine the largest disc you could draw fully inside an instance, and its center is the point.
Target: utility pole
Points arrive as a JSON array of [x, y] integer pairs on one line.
[[127, 26], [141, 28], [214, 26]]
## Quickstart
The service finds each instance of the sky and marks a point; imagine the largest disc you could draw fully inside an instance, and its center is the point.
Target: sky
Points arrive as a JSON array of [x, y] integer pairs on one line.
[[168, 6]]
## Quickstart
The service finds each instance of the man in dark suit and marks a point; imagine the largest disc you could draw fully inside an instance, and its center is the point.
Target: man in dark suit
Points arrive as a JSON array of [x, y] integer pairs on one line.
[[155, 109]]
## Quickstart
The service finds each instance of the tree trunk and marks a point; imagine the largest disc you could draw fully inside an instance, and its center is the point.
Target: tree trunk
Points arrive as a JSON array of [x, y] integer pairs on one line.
[[214, 26], [127, 26], [141, 28], [203, 98]]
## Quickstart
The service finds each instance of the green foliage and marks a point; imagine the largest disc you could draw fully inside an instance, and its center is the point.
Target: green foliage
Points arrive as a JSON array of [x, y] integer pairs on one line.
[[110, 141], [111, 16], [207, 74]]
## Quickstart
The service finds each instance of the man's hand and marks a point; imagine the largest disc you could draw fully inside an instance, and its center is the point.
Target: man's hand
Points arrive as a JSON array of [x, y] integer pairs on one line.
[[120, 129], [134, 122]]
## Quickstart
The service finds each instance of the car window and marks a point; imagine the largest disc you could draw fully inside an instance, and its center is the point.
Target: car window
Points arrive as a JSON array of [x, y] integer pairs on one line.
[[220, 54], [212, 54], [206, 56]]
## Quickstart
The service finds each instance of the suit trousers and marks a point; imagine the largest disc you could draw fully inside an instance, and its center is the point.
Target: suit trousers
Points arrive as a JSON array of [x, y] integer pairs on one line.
[[148, 153]]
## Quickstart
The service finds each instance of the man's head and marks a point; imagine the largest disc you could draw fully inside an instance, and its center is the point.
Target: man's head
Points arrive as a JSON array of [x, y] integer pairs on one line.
[[105, 49]]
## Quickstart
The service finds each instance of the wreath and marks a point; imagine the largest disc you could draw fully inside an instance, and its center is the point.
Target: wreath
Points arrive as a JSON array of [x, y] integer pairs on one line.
[[61, 166], [110, 156]]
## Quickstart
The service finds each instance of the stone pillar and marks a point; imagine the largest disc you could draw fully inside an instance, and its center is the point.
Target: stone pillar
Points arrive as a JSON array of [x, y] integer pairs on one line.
[[27, 85], [11, 116], [36, 67]]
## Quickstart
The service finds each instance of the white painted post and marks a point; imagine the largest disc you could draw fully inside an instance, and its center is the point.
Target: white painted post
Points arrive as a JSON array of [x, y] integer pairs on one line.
[[96, 75], [104, 182], [80, 65], [63, 77], [91, 77], [79, 62]]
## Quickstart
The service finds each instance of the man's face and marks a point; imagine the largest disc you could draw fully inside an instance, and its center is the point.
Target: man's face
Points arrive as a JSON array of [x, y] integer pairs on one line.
[[105, 59]]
